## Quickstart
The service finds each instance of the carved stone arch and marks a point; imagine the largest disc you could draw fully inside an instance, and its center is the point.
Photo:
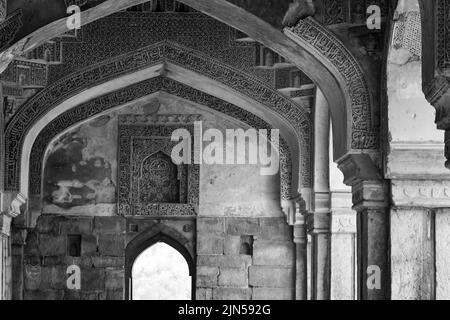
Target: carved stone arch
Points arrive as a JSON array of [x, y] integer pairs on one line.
[[159, 233], [314, 49], [146, 63], [351, 78], [130, 94]]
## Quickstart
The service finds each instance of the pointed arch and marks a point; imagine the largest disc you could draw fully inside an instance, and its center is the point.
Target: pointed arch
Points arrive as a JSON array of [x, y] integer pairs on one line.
[[175, 62], [158, 233]]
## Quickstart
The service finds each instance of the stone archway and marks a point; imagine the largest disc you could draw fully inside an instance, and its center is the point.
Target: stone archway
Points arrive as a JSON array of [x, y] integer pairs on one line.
[[150, 236], [313, 48], [152, 61], [141, 91]]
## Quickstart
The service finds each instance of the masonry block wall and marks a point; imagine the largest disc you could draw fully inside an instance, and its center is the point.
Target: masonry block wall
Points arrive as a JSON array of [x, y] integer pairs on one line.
[[244, 258], [48, 253]]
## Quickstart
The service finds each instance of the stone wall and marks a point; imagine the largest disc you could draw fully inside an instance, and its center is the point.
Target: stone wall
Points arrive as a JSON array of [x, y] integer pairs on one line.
[[244, 258], [101, 260]]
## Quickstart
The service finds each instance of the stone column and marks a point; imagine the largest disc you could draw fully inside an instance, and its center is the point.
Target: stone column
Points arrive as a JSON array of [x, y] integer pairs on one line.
[[301, 259], [320, 230], [343, 247], [370, 201], [5, 259]]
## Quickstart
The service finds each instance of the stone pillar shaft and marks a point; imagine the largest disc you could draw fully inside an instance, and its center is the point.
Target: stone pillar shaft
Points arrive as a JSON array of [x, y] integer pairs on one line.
[[371, 205], [5, 257], [321, 236], [301, 259]]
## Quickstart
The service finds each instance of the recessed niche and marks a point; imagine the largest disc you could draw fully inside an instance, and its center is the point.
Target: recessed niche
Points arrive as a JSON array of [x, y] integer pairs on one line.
[[246, 245], [74, 245]]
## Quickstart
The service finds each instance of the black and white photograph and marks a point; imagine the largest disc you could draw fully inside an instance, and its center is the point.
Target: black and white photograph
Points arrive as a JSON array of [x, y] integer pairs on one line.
[[246, 151]]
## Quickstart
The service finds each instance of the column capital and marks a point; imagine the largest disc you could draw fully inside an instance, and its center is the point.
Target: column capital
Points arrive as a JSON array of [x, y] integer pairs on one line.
[[294, 209], [370, 195], [359, 167]]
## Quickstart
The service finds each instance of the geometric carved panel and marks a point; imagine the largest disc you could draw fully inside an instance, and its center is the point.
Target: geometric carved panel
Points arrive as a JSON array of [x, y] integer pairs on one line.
[[150, 184]]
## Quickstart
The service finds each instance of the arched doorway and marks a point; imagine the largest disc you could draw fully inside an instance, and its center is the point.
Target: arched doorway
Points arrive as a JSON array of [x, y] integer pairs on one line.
[[158, 268], [160, 272]]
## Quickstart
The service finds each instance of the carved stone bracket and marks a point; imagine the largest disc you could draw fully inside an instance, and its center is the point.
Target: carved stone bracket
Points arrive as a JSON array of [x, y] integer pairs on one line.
[[370, 200], [438, 94], [13, 211]]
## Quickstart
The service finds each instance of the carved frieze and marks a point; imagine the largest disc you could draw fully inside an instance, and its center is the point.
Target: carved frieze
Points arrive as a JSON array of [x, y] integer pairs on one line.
[[421, 193]]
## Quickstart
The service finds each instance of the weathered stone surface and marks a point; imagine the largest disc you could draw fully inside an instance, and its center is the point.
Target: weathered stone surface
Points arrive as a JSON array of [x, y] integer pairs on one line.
[[232, 294], [273, 294], [343, 266], [32, 244], [232, 245], [116, 294], [52, 260], [233, 277], [89, 245], [72, 295], [243, 226], [114, 279], [92, 295], [442, 254], [279, 253], [203, 294], [52, 245], [53, 278], [109, 225], [43, 295], [275, 229], [101, 262], [272, 277], [209, 244], [226, 261], [111, 245], [49, 224], [412, 262], [32, 277], [92, 279], [207, 276], [211, 225], [79, 225]]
